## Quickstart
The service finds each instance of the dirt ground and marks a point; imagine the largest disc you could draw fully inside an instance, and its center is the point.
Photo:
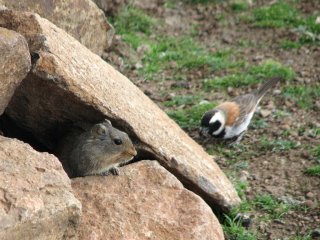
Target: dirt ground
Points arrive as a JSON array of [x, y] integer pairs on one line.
[[267, 170]]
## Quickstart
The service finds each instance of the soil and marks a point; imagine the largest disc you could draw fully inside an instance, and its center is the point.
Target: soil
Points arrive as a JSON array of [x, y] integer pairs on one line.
[[279, 173]]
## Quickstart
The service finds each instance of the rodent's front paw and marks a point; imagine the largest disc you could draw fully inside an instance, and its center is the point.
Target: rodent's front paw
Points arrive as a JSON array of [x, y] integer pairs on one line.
[[114, 171]]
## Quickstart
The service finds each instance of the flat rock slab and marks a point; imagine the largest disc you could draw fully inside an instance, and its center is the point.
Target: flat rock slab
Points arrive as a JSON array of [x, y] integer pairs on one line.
[[15, 63], [69, 83], [144, 202], [36, 199], [82, 19]]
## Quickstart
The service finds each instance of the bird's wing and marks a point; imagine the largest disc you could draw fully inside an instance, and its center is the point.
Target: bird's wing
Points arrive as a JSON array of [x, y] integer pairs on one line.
[[247, 104]]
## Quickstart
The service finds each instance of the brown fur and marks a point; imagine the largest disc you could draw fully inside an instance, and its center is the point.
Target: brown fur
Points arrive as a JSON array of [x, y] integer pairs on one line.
[[232, 111]]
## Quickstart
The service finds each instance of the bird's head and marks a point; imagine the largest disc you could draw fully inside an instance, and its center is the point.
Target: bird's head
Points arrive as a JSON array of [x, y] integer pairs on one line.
[[213, 122]]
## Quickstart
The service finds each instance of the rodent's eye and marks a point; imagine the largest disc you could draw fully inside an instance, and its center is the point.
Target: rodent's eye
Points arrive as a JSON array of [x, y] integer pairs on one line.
[[117, 141]]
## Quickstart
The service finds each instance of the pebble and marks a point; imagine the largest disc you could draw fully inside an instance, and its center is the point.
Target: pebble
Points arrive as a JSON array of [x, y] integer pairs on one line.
[[142, 49], [258, 58], [186, 85], [285, 127], [148, 92], [310, 195], [265, 113], [244, 175], [289, 200], [230, 90], [138, 65], [278, 221], [277, 91], [309, 203]]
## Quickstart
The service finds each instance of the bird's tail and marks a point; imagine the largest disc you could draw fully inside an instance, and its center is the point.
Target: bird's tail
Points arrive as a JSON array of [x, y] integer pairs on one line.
[[266, 86]]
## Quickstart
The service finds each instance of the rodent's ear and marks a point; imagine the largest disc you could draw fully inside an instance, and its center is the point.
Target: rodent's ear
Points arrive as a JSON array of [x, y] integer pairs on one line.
[[99, 129], [107, 122]]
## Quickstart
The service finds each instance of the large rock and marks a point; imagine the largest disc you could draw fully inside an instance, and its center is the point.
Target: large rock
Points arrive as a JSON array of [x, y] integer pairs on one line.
[[36, 200], [112, 7], [69, 83], [80, 18], [144, 202], [15, 63]]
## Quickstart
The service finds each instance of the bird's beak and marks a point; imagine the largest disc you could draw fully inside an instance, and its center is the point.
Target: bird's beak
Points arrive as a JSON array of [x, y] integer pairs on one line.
[[203, 132]]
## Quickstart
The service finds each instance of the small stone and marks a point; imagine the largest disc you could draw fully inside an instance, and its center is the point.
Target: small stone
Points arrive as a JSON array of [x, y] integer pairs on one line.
[[270, 105], [138, 65], [142, 49], [265, 163], [285, 126], [288, 103], [289, 200], [186, 85], [148, 92], [309, 203], [244, 175], [227, 39], [258, 58], [173, 64], [278, 221], [230, 89], [305, 154], [310, 195], [254, 177], [277, 91], [265, 113]]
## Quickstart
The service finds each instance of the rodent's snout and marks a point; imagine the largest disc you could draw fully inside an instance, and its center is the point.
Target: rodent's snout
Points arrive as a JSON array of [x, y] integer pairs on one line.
[[132, 151]]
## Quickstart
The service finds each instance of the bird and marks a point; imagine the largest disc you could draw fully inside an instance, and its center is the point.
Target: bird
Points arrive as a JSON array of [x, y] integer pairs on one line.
[[230, 119]]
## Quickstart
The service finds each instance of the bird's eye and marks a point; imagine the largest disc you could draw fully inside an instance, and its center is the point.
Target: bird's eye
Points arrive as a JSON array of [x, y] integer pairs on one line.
[[117, 141]]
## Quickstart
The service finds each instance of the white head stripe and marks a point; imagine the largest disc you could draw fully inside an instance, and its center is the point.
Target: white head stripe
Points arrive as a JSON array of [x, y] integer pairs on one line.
[[218, 116]]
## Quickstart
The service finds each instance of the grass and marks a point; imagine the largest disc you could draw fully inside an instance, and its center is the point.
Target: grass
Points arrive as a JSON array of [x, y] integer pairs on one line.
[[182, 100], [190, 117], [253, 75], [182, 54], [288, 44], [273, 207], [259, 124], [233, 230], [165, 52], [239, 5], [304, 96], [277, 145], [279, 14], [313, 171], [316, 152], [133, 20], [284, 15]]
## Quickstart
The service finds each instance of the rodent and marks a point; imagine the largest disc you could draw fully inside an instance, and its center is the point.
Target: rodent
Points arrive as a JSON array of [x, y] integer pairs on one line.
[[97, 151]]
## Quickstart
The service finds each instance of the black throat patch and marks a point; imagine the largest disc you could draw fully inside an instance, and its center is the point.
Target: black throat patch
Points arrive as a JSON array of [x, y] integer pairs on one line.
[[221, 134], [214, 126]]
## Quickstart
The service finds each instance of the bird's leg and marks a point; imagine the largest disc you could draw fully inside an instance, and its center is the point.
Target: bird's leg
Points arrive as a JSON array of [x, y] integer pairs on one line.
[[238, 139]]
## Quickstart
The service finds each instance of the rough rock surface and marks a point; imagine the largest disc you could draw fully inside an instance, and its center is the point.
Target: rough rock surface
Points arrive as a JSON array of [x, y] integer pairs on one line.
[[69, 83], [15, 63], [36, 199], [144, 202], [112, 7], [80, 18]]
